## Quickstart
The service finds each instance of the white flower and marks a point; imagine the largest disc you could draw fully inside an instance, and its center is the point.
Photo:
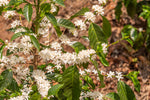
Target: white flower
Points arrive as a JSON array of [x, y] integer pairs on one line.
[[102, 1], [58, 66], [15, 23], [53, 8], [104, 48], [30, 57], [9, 13], [81, 72], [45, 23], [140, 29], [25, 92], [4, 2], [74, 31], [42, 84], [98, 9], [20, 30], [119, 75], [95, 71], [90, 16], [100, 97], [56, 46], [110, 74], [88, 70], [49, 69], [43, 31], [96, 95], [64, 39], [81, 24]]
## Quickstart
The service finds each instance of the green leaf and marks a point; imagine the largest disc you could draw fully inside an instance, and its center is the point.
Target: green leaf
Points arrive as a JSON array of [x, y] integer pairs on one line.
[[133, 77], [71, 83], [45, 8], [131, 8], [2, 41], [125, 92], [53, 20], [17, 35], [131, 32], [113, 96], [55, 89], [78, 47], [1, 9], [1, 50], [96, 35], [118, 11], [65, 23], [89, 81], [101, 77], [13, 86], [103, 59], [148, 22], [60, 2], [7, 79], [106, 27], [79, 13], [27, 11], [16, 2], [35, 42]]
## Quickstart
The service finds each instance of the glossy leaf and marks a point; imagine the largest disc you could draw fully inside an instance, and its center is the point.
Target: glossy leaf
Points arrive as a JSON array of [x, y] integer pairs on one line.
[[27, 11], [96, 35], [13, 86], [7, 79], [106, 27], [103, 59], [71, 83], [55, 89], [113, 96], [78, 47], [148, 22], [53, 20], [133, 77], [79, 13], [125, 92], [89, 81], [1, 9], [131, 8], [118, 11], [35, 42], [65, 23], [15, 2], [17, 35], [1, 50], [60, 2]]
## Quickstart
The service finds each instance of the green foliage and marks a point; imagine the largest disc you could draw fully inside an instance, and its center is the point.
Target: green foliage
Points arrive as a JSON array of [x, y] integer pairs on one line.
[[118, 11], [53, 20], [89, 81], [125, 92], [71, 83], [1, 50], [60, 2], [34, 95], [133, 77], [35, 42], [16, 2], [106, 27], [65, 23], [146, 12], [55, 89], [7, 79], [101, 77], [27, 12], [78, 47], [45, 8], [79, 13], [96, 35], [113, 96]]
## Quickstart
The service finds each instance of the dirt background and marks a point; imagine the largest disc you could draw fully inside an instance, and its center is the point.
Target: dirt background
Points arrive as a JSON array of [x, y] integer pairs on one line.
[[119, 57]]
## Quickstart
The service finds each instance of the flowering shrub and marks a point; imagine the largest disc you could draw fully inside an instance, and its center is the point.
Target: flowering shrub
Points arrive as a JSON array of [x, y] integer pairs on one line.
[[37, 70]]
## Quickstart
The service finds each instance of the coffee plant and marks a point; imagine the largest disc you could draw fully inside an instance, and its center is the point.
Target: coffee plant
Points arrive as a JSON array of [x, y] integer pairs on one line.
[[36, 68]]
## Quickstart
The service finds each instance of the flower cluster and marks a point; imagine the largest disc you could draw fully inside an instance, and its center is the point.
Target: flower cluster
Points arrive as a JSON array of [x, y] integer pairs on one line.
[[93, 95], [9, 14], [4, 2], [42, 84], [25, 92]]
